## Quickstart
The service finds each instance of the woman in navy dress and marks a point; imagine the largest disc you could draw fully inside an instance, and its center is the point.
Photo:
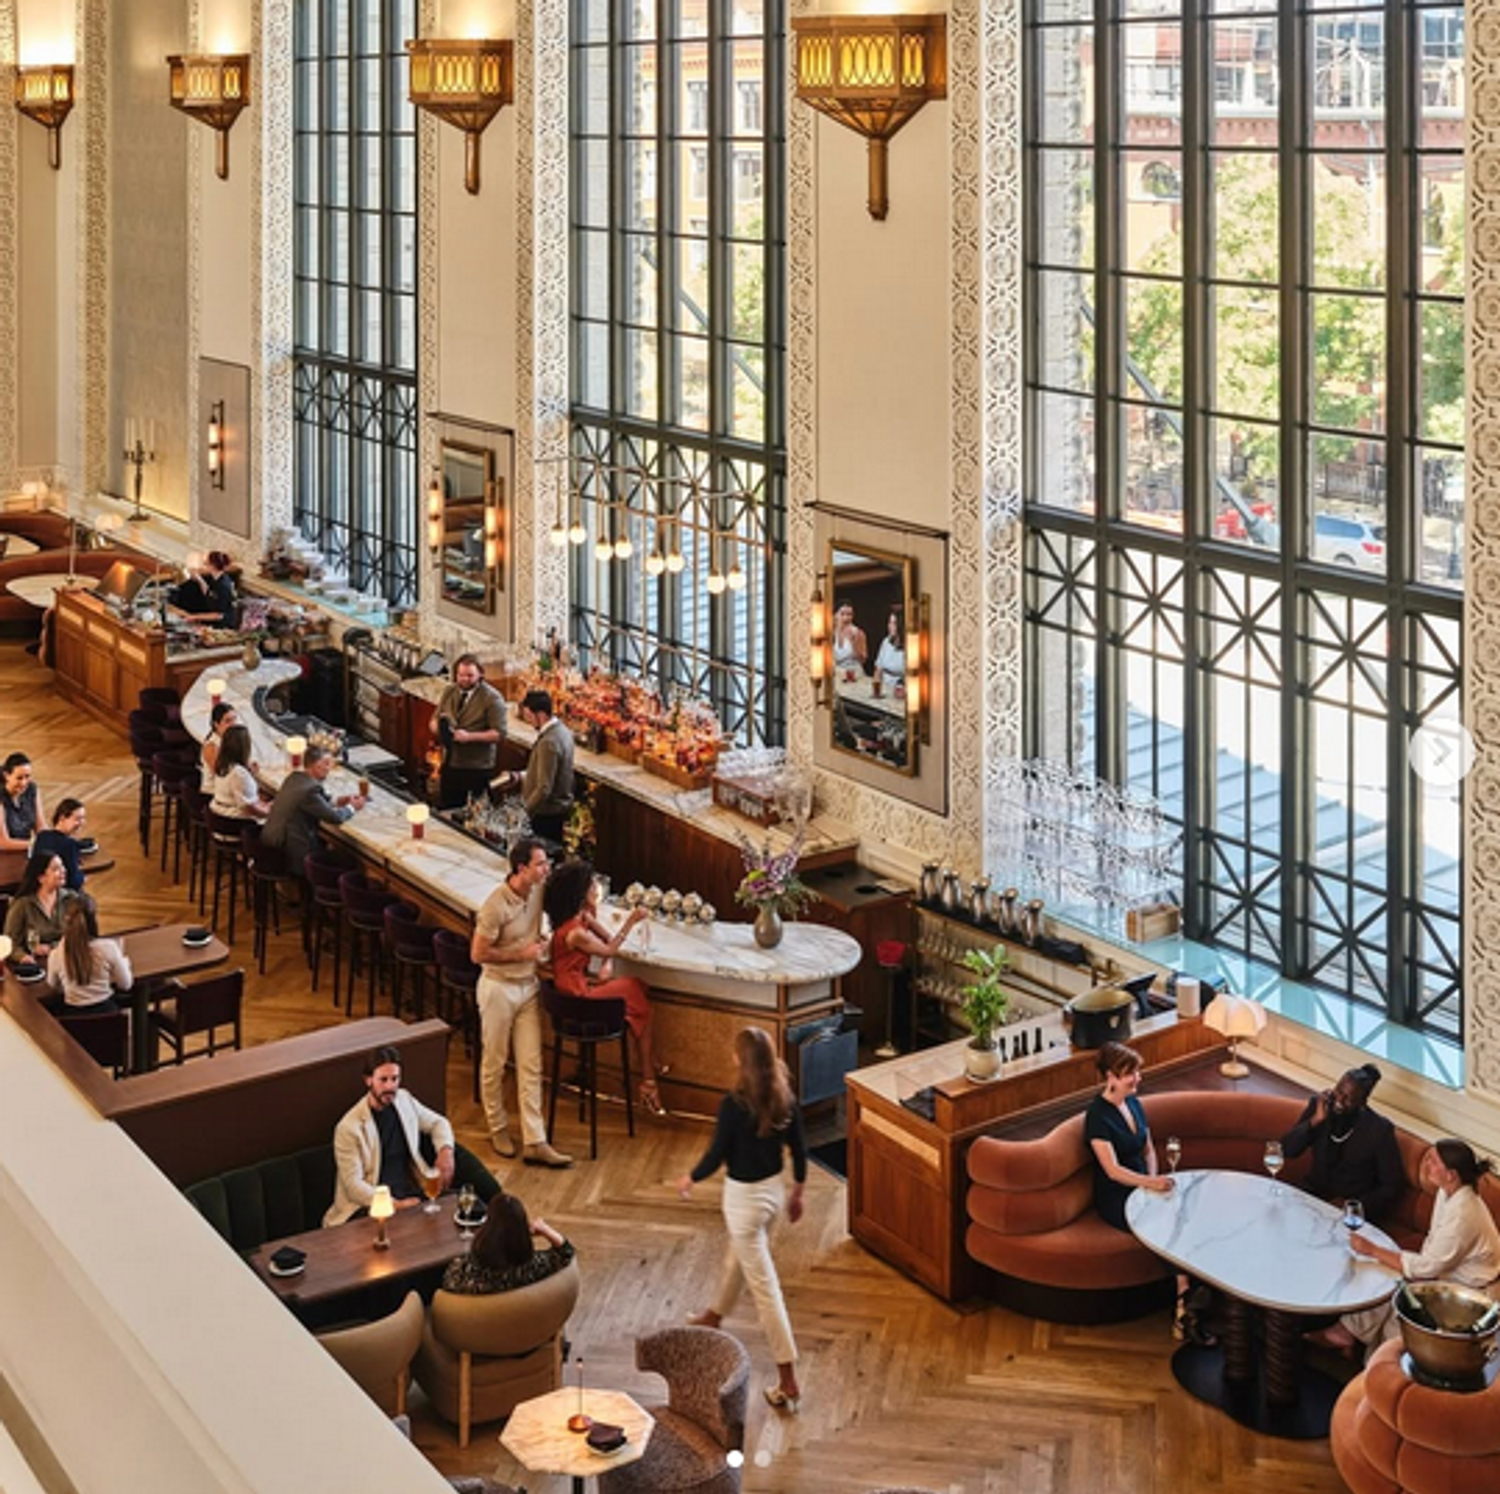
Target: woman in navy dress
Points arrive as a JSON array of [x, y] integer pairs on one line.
[[1119, 1138]]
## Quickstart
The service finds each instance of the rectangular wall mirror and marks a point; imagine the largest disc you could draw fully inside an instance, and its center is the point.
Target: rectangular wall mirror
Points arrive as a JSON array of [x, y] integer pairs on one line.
[[472, 519], [871, 605]]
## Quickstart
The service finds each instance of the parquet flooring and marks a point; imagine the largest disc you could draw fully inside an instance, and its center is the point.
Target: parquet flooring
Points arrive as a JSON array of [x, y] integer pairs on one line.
[[900, 1389]]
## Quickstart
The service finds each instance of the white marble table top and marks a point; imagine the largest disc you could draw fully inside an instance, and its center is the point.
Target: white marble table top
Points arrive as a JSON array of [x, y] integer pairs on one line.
[[18, 544], [1276, 1247], [537, 1432], [40, 590]]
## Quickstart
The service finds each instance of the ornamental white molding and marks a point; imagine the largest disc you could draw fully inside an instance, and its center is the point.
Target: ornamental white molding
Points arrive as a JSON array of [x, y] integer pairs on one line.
[[10, 322], [90, 459]]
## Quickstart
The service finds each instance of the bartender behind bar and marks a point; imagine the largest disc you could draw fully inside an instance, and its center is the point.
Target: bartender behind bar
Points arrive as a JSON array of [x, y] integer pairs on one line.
[[208, 592], [547, 788], [470, 723]]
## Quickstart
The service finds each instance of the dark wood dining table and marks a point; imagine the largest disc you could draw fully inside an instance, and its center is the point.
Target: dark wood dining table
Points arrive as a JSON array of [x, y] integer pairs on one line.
[[13, 867], [343, 1259], [156, 955]]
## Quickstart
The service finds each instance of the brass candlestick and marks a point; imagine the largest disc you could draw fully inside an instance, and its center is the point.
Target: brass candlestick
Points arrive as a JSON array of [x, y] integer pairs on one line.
[[578, 1422], [138, 453]]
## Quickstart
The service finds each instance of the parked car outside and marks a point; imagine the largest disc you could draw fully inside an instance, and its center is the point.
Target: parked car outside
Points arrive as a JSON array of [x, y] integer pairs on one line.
[[1342, 540]]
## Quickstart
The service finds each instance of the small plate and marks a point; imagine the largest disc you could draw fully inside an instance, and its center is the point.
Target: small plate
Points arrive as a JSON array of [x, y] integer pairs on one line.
[[29, 977], [607, 1452], [468, 1221], [88, 847], [198, 943], [287, 1271]]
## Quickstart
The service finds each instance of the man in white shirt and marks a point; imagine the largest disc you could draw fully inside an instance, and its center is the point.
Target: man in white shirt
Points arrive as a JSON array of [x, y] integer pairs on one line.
[[379, 1141]]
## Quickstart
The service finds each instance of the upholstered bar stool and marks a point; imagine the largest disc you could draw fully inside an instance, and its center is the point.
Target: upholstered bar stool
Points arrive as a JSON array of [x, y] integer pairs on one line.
[[173, 777], [410, 943], [364, 913], [458, 980], [270, 879], [326, 914], [146, 740], [586, 1023], [227, 838], [161, 698]]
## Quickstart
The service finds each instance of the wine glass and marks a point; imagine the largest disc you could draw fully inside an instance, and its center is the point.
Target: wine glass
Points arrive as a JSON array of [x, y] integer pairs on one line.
[[468, 1205], [432, 1185], [1274, 1161], [1174, 1153], [1354, 1216]]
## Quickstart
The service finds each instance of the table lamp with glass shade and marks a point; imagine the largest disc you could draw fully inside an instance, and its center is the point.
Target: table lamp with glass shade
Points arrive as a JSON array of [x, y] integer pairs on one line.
[[417, 816], [382, 1207], [295, 747], [1236, 1017]]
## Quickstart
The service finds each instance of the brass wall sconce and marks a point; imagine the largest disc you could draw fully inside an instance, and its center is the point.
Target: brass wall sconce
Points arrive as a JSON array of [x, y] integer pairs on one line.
[[872, 73], [435, 514], [465, 83], [213, 88], [491, 537], [820, 645], [45, 94], [216, 444], [918, 704]]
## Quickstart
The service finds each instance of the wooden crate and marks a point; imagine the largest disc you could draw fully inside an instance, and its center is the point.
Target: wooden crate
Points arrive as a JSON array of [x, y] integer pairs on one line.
[[664, 768], [629, 752], [755, 804]]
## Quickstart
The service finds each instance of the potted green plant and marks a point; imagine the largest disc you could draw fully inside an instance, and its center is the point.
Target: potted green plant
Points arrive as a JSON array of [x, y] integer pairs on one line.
[[984, 1006]]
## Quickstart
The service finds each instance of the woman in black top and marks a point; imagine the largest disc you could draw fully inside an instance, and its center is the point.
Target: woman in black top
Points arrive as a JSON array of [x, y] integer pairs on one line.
[[208, 593], [1354, 1150], [758, 1120], [1119, 1138], [504, 1255]]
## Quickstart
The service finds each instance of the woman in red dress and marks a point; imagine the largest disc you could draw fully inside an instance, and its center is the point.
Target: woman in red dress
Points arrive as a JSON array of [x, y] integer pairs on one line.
[[577, 938]]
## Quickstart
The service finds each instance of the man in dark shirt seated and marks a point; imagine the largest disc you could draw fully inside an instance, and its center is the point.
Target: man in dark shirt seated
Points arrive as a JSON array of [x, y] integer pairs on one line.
[[379, 1142], [301, 805], [62, 840], [1354, 1150]]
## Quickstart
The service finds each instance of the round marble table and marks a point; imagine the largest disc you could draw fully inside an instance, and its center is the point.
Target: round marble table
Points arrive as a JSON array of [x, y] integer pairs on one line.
[[40, 590], [1267, 1246], [537, 1433]]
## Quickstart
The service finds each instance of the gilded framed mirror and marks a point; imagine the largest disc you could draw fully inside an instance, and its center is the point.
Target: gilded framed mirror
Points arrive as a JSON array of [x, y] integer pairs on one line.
[[470, 527]]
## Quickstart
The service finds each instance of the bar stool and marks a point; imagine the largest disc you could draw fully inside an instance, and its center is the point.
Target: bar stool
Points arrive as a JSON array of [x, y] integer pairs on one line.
[[269, 874], [146, 740], [228, 840], [890, 955], [196, 806], [323, 872], [161, 697], [458, 979], [586, 1022], [173, 778], [410, 942], [364, 913]]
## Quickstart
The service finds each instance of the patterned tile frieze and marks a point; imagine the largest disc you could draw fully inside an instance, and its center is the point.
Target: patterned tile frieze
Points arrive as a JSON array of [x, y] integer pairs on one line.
[[1482, 563], [194, 192], [10, 207], [89, 459]]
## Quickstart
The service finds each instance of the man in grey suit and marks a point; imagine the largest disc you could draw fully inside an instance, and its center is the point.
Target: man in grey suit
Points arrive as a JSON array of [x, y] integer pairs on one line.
[[470, 723], [301, 805], [547, 789]]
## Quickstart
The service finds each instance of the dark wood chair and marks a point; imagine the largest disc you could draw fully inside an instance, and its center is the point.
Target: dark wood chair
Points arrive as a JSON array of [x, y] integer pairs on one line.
[[203, 1007], [104, 1036]]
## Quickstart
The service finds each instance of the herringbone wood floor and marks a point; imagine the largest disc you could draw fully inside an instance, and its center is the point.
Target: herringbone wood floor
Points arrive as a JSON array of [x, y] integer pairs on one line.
[[900, 1389]]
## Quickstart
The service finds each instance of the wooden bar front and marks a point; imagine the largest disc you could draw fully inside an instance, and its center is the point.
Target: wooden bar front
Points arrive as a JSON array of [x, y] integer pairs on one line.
[[908, 1176]]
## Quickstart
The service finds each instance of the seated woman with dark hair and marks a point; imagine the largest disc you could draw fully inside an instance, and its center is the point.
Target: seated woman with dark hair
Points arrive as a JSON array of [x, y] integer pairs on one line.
[[34, 923], [1462, 1244], [1354, 1150], [87, 970], [504, 1254], [62, 840], [571, 901], [237, 796]]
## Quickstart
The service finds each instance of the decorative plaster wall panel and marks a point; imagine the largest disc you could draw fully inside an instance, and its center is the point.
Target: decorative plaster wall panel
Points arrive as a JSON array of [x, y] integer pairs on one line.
[[89, 460], [10, 328], [1482, 563]]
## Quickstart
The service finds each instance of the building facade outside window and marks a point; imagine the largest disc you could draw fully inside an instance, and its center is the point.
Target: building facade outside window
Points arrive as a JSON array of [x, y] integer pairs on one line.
[[355, 263], [1245, 479], [678, 340]]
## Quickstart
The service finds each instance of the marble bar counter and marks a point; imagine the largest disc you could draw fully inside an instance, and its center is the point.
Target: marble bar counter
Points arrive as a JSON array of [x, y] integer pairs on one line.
[[706, 981]]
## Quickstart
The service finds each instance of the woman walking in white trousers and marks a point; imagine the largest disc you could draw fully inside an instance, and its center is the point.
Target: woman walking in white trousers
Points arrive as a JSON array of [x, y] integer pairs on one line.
[[757, 1120]]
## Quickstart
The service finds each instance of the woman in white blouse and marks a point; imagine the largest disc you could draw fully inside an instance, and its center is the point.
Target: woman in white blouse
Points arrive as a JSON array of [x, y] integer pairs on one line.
[[236, 793], [890, 662], [87, 970], [1462, 1244]]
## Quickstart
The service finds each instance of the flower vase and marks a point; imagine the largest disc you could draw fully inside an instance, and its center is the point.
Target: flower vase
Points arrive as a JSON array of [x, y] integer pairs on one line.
[[768, 927], [252, 654]]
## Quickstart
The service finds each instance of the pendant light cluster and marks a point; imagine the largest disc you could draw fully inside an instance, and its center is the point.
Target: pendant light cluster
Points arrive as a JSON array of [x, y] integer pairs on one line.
[[613, 541]]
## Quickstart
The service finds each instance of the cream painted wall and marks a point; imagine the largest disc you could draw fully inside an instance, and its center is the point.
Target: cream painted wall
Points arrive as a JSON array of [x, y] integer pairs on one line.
[[44, 291], [149, 251], [226, 240], [883, 325], [477, 310]]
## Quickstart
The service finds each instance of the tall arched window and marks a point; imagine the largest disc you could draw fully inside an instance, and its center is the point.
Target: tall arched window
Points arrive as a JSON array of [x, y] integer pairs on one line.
[[1246, 479], [355, 363], [678, 346]]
